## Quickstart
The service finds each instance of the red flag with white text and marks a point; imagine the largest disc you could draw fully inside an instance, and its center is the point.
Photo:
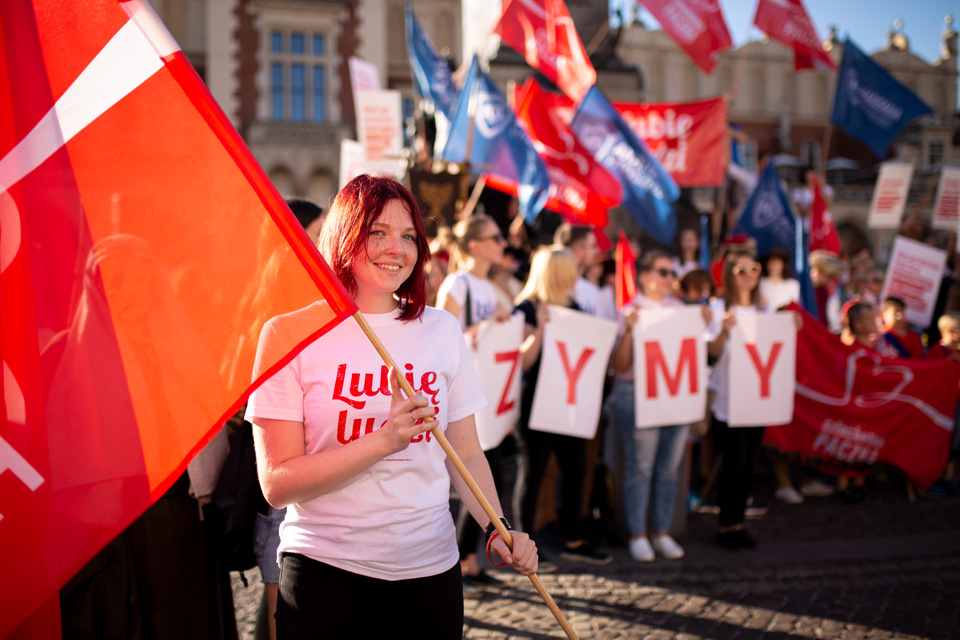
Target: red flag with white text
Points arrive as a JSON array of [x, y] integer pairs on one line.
[[697, 26], [823, 233], [625, 272], [855, 408], [688, 138], [543, 31], [788, 22], [581, 189], [142, 250]]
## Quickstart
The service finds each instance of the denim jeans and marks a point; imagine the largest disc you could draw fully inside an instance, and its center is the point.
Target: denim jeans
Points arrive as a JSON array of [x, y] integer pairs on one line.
[[652, 458]]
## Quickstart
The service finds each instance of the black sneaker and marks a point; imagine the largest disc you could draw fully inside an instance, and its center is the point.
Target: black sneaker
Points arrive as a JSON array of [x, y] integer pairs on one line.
[[586, 553]]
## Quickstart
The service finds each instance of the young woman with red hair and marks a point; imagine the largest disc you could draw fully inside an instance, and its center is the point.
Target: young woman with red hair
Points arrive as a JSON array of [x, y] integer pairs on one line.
[[367, 548]]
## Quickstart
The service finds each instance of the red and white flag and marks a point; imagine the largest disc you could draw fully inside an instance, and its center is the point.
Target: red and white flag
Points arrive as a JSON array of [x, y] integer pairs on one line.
[[543, 31], [788, 22], [697, 26], [141, 251], [823, 233], [855, 408], [581, 189]]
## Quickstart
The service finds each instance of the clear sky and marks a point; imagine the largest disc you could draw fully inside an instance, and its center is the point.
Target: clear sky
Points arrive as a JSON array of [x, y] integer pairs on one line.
[[865, 21]]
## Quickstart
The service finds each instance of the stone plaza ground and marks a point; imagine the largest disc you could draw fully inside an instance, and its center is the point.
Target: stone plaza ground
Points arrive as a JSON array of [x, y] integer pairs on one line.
[[823, 570]]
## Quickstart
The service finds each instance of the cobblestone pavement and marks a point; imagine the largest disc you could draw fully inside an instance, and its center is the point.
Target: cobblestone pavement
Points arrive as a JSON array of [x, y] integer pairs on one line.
[[821, 570]]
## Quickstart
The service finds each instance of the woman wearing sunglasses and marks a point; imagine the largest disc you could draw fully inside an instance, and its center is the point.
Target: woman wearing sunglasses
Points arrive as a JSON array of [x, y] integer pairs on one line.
[[652, 456], [738, 446], [470, 296]]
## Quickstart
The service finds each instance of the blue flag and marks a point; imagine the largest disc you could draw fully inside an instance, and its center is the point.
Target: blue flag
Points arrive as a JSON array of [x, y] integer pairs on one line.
[[499, 145], [870, 104], [767, 216], [648, 190], [430, 71]]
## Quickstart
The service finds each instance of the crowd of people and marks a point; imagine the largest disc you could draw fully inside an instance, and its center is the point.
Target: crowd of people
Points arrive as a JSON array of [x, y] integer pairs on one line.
[[354, 517]]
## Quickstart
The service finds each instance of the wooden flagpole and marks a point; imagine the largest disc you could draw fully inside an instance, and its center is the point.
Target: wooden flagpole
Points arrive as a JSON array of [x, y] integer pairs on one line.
[[462, 470]]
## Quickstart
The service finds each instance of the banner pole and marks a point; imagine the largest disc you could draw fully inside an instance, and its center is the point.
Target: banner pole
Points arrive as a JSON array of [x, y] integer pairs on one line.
[[464, 473], [825, 153]]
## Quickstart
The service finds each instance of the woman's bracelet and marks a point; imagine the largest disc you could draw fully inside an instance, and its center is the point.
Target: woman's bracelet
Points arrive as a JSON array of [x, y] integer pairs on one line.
[[491, 528]]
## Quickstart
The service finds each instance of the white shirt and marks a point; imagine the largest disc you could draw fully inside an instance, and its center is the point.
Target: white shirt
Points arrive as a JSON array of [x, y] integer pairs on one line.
[[779, 293], [483, 296], [587, 296], [391, 521]]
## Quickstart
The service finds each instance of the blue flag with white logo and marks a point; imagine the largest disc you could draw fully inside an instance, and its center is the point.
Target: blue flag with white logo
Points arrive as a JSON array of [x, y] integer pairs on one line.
[[430, 71], [768, 219], [870, 104], [499, 145], [767, 216], [648, 190]]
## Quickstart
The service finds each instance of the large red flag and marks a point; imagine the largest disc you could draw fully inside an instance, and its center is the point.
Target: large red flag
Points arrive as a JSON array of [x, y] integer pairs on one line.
[[823, 233], [543, 31], [625, 274], [855, 408], [141, 251], [787, 22], [581, 190], [688, 139], [696, 25]]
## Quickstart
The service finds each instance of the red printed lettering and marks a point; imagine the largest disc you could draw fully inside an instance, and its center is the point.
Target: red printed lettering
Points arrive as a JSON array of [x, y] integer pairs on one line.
[[655, 361], [368, 389], [764, 369], [338, 389], [512, 357], [355, 432], [573, 374]]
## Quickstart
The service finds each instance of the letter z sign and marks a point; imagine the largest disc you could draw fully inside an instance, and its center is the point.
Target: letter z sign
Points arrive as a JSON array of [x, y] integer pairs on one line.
[[497, 361], [669, 363]]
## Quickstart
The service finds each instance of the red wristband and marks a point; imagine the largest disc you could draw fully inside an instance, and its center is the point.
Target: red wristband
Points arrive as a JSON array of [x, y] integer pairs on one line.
[[492, 536]]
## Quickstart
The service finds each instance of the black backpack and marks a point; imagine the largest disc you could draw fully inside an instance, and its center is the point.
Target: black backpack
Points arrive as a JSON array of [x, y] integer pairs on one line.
[[232, 511]]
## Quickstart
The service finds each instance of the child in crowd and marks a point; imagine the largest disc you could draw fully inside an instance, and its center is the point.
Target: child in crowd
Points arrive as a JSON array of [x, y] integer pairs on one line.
[[897, 339], [948, 348]]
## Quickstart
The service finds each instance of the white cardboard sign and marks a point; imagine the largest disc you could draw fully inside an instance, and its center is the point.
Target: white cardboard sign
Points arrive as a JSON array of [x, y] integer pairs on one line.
[[498, 364], [352, 161], [763, 367], [670, 366], [890, 195], [364, 75], [573, 363], [914, 275], [380, 124], [946, 209]]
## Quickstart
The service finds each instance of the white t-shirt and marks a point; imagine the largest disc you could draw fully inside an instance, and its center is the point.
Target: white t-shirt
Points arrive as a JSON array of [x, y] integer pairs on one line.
[[391, 521], [483, 296], [779, 293], [803, 199], [587, 296], [720, 378]]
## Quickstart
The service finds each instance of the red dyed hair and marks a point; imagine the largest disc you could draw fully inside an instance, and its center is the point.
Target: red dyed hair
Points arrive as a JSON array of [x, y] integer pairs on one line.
[[347, 226]]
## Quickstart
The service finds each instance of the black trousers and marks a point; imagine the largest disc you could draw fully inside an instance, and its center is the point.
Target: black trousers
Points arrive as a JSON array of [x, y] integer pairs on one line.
[[738, 446], [320, 601]]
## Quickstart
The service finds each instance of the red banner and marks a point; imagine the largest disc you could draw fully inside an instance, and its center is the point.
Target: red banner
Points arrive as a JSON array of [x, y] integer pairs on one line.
[[855, 408], [142, 251], [688, 139], [696, 25], [543, 31], [581, 190], [787, 22], [625, 281]]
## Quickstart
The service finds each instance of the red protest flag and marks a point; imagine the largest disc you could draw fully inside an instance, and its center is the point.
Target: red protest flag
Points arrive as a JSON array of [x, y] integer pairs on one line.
[[788, 22], [823, 233], [142, 251], [581, 189], [855, 408], [543, 31], [625, 285], [697, 26]]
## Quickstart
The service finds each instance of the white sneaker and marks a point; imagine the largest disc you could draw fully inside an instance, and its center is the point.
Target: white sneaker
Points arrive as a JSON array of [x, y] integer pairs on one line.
[[640, 549], [788, 495], [816, 489], [667, 547]]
